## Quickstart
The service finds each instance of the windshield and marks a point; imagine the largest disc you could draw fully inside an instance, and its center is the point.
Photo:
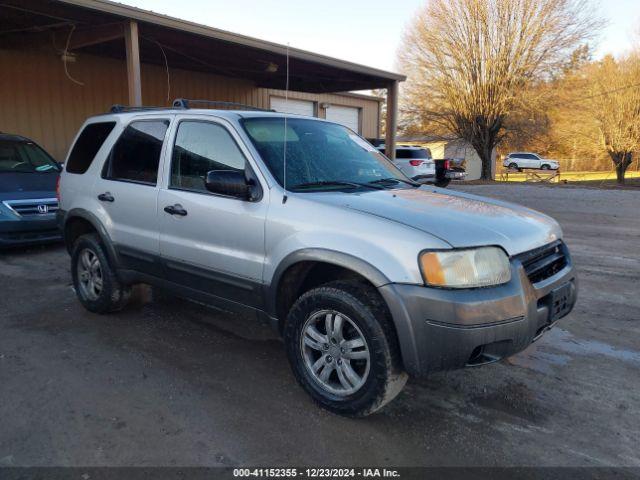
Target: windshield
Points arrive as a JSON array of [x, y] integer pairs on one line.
[[25, 157], [320, 155]]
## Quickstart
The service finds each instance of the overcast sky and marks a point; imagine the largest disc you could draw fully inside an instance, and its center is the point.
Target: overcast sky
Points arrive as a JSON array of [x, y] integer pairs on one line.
[[361, 31]]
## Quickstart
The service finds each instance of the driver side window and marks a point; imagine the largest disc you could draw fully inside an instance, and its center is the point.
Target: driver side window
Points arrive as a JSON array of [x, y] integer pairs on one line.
[[200, 147]]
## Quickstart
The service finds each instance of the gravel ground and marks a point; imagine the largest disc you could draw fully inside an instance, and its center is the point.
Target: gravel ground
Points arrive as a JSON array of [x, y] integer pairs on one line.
[[174, 383]]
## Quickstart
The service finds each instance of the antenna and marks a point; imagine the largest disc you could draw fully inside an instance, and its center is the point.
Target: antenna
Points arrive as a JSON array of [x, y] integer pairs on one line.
[[284, 146]]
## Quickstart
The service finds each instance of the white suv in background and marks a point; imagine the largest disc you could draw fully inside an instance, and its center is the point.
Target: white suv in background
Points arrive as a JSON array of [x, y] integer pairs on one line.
[[521, 160], [415, 162]]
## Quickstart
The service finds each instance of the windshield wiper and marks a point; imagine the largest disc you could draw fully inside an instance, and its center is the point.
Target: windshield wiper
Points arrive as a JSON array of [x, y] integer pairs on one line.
[[337, 183], [396, 180]]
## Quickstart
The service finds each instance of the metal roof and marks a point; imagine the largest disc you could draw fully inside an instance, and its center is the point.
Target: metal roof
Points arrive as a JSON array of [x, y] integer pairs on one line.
[[187, 45]]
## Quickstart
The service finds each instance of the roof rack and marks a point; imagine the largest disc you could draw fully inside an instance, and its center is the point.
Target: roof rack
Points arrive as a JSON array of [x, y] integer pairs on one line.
[[117, 108], [186, 103]]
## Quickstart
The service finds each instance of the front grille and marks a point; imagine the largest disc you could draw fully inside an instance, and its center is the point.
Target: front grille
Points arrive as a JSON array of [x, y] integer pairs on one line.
[[544, 262], [33, 207]]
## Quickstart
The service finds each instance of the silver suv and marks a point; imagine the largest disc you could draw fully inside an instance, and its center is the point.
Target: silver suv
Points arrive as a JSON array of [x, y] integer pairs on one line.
[[368, 276]]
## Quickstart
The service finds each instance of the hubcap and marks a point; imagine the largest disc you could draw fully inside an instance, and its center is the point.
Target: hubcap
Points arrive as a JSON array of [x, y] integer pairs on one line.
[[335, 352], [89, 274]]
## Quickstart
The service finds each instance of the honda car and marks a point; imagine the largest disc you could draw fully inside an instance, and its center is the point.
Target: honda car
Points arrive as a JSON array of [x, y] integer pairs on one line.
[[28, 203]]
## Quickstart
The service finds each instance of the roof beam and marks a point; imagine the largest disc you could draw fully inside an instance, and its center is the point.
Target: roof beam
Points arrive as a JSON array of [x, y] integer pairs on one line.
[[96, 35], [39, 36], [392, 120], [133, 63]]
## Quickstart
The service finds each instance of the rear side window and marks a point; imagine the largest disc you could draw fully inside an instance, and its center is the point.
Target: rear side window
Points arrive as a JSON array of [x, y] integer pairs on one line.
[[526, 156], [87, 146], [136, 154]]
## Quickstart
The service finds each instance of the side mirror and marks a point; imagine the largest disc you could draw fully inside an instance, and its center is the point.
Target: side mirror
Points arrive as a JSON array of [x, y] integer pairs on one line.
[[232, 183]]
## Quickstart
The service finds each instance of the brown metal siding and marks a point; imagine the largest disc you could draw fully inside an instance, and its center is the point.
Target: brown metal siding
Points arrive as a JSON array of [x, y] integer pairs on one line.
[[40, 102]]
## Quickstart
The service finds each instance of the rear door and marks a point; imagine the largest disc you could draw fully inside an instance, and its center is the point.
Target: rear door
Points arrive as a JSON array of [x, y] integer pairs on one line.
[[217, 244], [127, 191], [536, 161], [529, 161]]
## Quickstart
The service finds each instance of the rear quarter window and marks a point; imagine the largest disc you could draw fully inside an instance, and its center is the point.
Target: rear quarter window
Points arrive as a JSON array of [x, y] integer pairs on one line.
[[87, 146]]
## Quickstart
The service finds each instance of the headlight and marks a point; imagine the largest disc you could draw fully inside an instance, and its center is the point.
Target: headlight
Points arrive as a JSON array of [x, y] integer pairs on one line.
[[477, 267]]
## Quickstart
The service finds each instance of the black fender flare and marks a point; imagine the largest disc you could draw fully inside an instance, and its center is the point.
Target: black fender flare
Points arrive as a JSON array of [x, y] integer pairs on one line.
[[99, 228], [358, 265]]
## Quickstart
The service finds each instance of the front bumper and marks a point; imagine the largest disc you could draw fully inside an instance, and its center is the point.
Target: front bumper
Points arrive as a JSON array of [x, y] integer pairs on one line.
[[29, 232], [445, 329]]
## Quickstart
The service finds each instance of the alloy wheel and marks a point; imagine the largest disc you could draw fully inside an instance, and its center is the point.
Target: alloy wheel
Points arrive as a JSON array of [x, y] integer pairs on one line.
[[335, 352], [89, 274]]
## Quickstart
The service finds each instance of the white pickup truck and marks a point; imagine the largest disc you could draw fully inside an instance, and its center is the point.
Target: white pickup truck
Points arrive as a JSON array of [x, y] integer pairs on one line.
[[522, 160]]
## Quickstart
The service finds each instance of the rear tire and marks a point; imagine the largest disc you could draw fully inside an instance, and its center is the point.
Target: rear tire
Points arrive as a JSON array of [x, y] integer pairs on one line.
[[350, 366], [94, 279]]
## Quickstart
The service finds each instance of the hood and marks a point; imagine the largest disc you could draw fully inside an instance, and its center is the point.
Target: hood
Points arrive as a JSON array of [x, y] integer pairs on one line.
[[460, 219], [18, 186]]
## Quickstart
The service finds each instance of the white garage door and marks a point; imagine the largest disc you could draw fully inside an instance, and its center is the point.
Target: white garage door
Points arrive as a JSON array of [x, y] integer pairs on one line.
[[347, 116], [299, 107]]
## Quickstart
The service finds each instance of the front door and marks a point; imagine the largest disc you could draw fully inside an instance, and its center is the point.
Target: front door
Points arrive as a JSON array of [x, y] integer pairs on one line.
[[211, 243]]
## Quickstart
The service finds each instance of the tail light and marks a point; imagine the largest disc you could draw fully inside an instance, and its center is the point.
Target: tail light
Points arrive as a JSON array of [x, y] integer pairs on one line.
[[415, 163], [58, 189], [447, 164]]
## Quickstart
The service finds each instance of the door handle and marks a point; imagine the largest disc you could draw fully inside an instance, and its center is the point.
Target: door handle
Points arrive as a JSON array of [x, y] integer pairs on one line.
[[175, 210], [106, 197]]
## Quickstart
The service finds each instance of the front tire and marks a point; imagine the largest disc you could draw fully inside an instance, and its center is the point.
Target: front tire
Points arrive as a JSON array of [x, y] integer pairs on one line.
[[513, 166], [94, 279], [343, 349], [545, 167]]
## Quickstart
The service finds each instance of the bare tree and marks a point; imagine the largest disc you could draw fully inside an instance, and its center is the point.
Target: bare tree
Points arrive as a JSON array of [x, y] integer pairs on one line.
[[605, 109], [471, 62]]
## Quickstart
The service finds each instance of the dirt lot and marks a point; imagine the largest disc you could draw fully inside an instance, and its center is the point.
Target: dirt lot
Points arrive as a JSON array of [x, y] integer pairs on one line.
[[178, 384]]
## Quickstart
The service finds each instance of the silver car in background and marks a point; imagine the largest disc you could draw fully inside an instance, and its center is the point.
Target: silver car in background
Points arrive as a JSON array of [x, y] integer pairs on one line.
[[368, 276]]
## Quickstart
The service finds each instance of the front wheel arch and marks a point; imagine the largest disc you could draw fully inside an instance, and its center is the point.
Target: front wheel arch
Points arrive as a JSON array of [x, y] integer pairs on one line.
[[295, 267]]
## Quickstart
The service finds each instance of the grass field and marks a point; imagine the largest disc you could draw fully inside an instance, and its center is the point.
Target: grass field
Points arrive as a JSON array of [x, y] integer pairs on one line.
[[571, 177]]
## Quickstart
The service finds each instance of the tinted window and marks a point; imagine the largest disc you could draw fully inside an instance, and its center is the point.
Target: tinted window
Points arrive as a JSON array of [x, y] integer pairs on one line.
[[526, 156], [199, 148], [419, 153], [87, 145], [25, 157], [136, 154]]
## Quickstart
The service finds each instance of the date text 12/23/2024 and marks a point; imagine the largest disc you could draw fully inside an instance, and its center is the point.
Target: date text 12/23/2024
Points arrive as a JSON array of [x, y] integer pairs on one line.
[[316, 472]]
